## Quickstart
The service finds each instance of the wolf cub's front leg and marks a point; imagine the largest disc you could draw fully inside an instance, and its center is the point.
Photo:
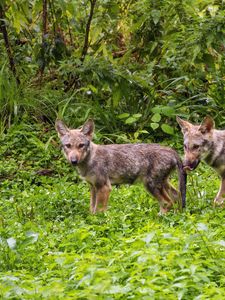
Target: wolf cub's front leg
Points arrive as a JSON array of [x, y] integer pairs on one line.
[[99, 198], [93, 199]]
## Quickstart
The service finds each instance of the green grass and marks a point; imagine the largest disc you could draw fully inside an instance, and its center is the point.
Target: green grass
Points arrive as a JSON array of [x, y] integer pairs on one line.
[[51, 247]]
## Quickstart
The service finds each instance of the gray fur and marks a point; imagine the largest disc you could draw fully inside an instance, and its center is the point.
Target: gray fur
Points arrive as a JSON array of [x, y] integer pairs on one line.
[[203, 142], [104, 165]]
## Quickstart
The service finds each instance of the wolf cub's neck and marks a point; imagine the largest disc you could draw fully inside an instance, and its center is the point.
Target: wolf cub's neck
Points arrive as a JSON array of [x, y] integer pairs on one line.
[[84, 164]]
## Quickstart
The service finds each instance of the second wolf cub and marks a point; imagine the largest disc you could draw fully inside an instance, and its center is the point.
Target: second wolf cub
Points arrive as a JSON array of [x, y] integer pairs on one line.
[[204, 142]]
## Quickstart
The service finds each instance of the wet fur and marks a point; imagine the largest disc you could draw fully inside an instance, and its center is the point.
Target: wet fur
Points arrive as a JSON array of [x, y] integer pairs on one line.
[[104, 165]]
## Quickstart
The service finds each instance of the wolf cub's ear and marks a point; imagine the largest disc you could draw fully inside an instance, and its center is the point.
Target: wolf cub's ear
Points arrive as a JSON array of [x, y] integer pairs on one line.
[[184, 125], [61, 128], [88, 128], [207, 125]]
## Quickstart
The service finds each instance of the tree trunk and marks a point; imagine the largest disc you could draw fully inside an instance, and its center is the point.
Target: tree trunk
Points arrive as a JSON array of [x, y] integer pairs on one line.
[[44, 34], [74, 79], [88, 26], [7, 43]]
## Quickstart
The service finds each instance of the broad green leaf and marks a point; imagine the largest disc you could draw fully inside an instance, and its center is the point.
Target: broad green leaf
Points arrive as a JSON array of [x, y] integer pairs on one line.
[[155, 15], [123, 116], [156, 110], [167, 111], [154, 125], [130, 120], [156, 118], [167, 129], [137, 116], [143, 131]]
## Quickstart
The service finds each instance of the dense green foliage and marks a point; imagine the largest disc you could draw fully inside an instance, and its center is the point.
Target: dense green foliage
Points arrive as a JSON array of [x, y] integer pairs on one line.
[[51, 247], [135, 66]]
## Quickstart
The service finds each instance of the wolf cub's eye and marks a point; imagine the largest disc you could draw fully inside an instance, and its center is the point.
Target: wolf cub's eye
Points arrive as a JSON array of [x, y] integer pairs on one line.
[[68, 145], [196, 147], [81, 145]]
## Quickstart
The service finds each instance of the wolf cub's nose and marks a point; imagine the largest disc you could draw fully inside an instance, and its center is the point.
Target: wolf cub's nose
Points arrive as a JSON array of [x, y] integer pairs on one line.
[[73, 161]]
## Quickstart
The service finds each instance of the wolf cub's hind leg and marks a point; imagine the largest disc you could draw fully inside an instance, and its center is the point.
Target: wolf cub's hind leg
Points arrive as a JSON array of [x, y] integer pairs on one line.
[[220, 197], [161, 195], [172, 191]]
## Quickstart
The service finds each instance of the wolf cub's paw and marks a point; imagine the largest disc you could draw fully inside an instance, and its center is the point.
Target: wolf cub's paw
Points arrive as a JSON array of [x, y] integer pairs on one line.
[[218, 202]]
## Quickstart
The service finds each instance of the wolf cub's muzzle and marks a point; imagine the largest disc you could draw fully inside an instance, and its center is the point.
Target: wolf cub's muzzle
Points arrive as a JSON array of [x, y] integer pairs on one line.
[[74, 161], [190, 166]]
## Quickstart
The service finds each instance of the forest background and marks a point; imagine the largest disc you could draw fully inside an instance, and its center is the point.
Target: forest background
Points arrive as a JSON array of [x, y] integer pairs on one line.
[[131, 65]]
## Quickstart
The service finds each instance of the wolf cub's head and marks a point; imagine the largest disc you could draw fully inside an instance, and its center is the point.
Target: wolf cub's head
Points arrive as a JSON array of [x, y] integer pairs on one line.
[[197, 141], [75, 142]]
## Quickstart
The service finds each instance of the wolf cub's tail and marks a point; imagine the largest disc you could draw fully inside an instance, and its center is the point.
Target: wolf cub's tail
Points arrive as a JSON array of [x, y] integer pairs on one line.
[[182, 182]]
